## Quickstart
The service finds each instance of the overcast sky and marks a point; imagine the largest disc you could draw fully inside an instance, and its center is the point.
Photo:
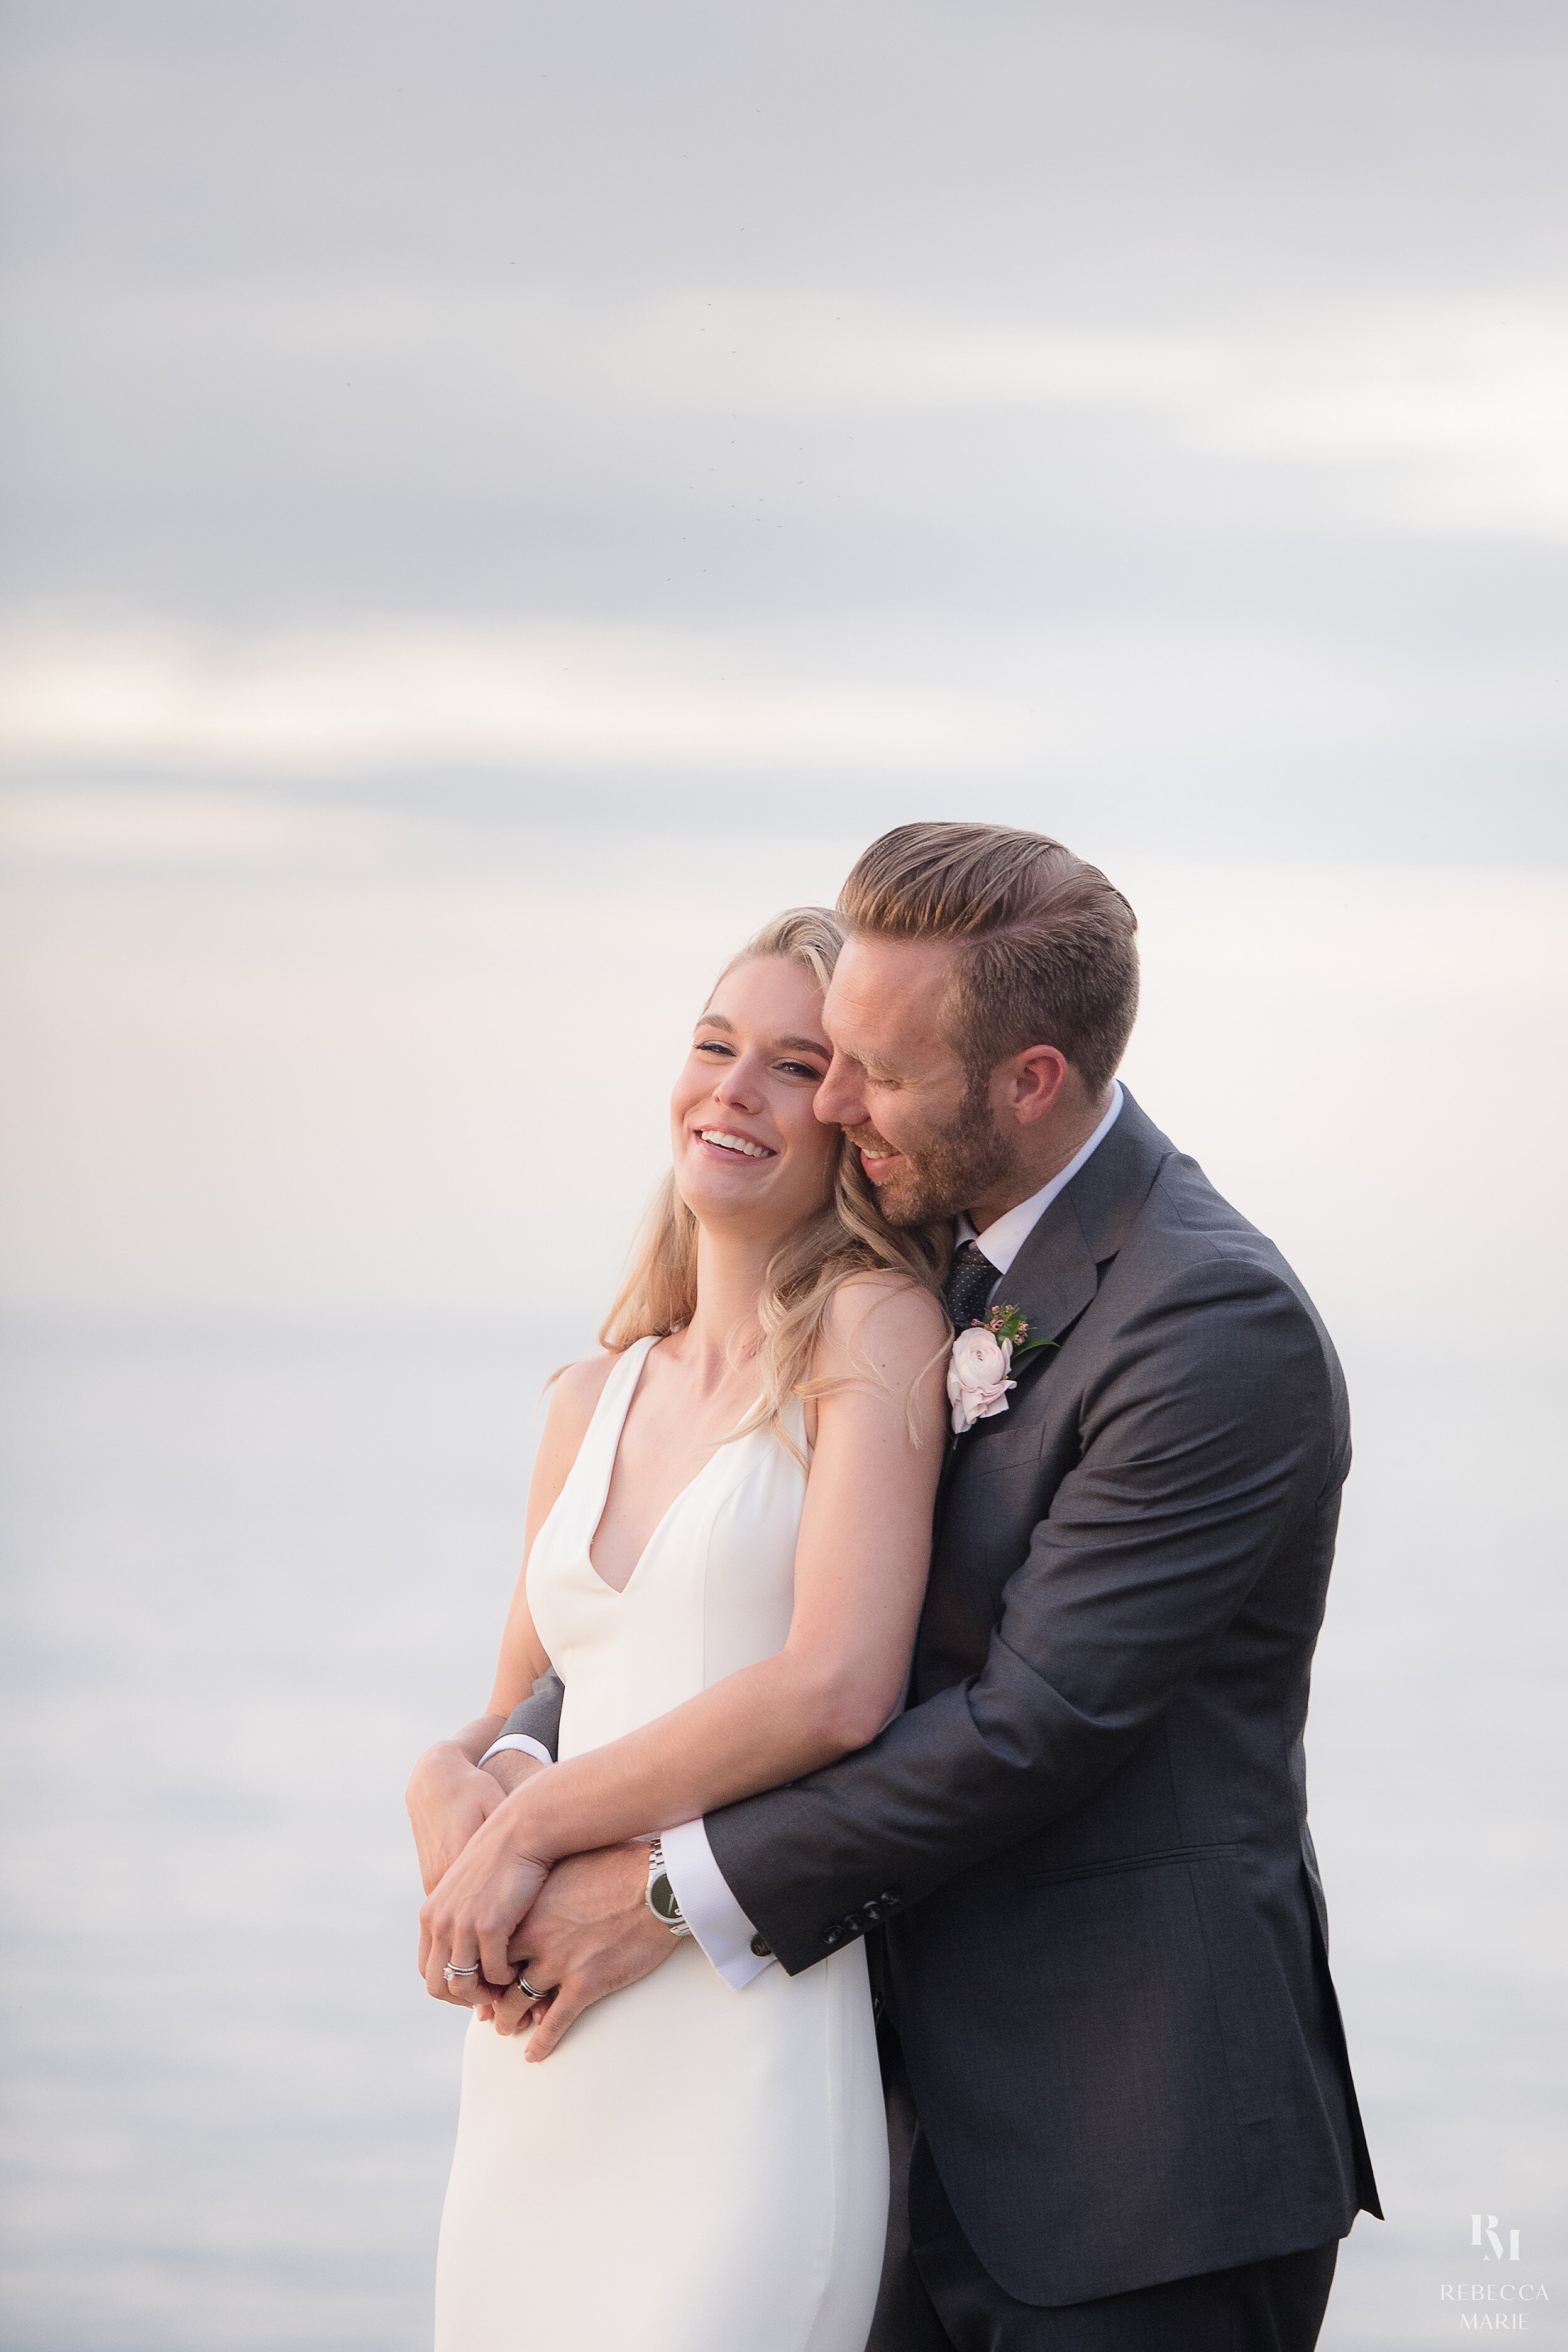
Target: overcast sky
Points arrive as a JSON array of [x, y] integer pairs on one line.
[[501, 497], [1148, 422]]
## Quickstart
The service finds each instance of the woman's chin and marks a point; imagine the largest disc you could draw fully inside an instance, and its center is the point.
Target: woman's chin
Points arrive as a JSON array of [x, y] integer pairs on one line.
[[728, 1203], [742, 1203]]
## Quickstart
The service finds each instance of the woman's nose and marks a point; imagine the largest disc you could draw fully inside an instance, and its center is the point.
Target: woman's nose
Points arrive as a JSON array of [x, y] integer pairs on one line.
[[739, 1085]]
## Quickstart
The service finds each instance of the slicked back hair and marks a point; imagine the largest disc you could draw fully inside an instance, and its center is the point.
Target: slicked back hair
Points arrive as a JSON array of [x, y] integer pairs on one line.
[[1047, 948]]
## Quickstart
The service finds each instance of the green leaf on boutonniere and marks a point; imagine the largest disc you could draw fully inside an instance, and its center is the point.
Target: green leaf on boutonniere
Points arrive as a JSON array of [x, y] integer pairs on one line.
[[1007, 1325]]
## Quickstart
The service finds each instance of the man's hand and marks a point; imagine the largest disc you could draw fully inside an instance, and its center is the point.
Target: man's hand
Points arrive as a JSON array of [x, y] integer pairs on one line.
[[589, 1933], [449, 1799], [512, 1767]]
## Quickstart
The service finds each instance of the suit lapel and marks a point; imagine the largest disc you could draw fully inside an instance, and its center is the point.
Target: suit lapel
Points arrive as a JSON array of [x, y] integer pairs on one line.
[[1057, 1272]]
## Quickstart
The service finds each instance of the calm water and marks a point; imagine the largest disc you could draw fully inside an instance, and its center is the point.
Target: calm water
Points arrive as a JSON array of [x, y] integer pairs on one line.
[[250, 1574]]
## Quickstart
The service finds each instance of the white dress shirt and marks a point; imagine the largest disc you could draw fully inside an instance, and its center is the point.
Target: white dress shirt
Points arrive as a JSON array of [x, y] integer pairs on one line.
[[701, 1888], [520, 1742]]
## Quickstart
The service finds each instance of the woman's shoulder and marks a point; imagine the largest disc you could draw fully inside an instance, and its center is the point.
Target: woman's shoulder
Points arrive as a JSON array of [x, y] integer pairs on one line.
[[885, 1316], [575, 1393]]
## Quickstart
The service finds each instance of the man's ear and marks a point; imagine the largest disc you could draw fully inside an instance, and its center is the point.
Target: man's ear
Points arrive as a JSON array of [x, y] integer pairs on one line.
[[1038, 1075]]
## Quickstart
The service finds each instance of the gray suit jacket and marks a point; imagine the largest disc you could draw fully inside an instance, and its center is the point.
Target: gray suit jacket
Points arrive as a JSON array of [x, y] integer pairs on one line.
[[1084, 1844]]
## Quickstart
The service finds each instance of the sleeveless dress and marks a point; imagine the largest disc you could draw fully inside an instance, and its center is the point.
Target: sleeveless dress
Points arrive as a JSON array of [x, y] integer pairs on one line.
[[695, 2169]]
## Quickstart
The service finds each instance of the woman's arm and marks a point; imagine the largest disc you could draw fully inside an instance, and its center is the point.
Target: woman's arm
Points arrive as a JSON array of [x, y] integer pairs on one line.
[[448, 1796], [860, 1572]]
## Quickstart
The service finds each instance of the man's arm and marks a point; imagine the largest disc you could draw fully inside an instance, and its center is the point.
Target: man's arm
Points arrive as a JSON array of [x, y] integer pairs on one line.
[[532, 1728], [1206, 1436]]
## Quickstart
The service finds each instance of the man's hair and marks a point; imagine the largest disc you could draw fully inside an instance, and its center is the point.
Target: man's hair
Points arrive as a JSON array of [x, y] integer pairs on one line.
[[1048, 952]]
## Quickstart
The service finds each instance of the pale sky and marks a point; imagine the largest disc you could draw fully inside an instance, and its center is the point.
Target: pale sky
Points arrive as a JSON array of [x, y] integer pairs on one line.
[[1151, 422], [500, 497]]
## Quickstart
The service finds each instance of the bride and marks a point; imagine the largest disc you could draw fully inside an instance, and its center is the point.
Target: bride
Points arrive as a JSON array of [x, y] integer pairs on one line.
[[728, 1541]]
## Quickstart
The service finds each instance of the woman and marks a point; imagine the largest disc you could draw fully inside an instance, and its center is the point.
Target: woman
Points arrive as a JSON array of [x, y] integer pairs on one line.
[[728, 1545]]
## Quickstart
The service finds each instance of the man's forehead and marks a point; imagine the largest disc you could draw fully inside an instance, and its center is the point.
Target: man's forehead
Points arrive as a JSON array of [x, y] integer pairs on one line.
[[887, 994]]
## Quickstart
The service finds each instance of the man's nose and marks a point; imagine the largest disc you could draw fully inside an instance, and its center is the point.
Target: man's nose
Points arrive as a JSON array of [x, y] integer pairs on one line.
[[839, 1101]]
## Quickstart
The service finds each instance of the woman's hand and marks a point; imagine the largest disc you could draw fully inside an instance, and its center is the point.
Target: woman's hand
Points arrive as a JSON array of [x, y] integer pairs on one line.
[[468, 1918], [449, 1799]]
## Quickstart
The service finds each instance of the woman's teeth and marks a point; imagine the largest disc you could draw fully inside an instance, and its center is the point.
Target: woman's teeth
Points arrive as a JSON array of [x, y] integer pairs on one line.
[[734, 1143]]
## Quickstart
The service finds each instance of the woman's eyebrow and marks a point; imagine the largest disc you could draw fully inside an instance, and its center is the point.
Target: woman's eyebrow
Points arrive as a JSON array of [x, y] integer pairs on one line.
[[796, 1045]]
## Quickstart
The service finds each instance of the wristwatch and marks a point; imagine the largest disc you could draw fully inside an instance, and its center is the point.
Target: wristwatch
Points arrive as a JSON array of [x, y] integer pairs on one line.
[[661, 1899]]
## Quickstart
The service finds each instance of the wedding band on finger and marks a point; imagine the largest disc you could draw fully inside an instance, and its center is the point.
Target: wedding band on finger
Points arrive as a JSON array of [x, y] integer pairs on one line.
[[452, 1974], [523, 1986]]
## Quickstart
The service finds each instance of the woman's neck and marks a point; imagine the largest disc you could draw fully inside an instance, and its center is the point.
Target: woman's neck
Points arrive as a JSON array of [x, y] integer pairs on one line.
[[729, 1271]]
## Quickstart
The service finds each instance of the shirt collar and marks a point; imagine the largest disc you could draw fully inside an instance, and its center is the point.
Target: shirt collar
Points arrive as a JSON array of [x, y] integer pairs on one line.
[[1001, 1242]]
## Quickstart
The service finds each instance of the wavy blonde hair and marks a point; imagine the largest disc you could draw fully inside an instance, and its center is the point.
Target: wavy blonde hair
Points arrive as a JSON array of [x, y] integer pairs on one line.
[[847, 1236]]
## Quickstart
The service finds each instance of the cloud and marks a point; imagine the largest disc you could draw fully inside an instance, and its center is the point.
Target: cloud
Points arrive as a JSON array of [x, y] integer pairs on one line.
[[169, 827], [399, 695], [434, 698], [1463, 403], [1442, 415]]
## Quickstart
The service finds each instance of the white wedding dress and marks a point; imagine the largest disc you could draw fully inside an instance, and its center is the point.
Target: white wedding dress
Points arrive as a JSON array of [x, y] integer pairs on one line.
[[695, 2169]]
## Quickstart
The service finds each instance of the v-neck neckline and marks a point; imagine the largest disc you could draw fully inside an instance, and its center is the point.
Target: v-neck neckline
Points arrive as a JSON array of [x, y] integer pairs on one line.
[[619, 1592]]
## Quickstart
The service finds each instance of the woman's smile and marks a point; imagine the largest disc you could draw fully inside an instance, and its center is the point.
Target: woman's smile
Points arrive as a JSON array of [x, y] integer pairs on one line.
[[727, 1143]]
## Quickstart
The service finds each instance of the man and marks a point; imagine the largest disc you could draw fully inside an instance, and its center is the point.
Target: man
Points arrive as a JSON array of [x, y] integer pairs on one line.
[[1118, 2088]]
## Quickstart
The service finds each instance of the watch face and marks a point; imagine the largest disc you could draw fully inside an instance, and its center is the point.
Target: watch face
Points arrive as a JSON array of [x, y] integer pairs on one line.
[[661, 1901]]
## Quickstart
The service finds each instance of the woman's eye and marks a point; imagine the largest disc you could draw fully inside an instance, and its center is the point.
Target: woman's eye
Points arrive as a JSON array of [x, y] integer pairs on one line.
[[712, 1045], [802, 1070]]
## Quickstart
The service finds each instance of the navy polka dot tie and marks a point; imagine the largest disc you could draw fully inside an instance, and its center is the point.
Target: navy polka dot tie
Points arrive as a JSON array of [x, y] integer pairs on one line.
[[968, 1286]]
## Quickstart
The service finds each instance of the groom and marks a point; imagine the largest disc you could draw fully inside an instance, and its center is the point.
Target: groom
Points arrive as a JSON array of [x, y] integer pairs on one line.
[[1119, 2098]]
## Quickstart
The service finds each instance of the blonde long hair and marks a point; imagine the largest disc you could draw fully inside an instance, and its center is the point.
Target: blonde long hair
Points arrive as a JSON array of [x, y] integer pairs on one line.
[[849, 1236]]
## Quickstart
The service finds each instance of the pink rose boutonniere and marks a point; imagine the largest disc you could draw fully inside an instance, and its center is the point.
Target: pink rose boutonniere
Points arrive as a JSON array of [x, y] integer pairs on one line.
[[982, 1358]]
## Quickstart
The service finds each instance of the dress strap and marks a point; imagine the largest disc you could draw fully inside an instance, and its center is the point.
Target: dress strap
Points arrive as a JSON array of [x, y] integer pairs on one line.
[[603, 1435], [591, 1471]]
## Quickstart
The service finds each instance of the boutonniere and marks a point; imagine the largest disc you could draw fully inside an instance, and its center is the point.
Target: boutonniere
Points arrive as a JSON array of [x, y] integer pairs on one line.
[[982, 1357]]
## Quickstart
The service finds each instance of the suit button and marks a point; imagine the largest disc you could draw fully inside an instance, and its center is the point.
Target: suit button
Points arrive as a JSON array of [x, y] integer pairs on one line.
[[852, 1922], [871, 1910], [761, 1947], [831, 1935], [890, 1898]]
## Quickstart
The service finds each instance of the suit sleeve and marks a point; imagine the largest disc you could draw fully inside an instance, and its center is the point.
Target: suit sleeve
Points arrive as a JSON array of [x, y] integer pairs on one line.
[[539, 1715], [1211, 1426]]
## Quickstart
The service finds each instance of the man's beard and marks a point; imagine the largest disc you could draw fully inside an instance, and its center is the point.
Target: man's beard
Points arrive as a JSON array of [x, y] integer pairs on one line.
[[951, 1168]]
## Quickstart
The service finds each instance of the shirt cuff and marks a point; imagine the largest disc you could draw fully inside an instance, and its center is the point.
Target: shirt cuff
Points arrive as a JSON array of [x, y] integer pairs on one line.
[[523, 1745], [709, 1908]]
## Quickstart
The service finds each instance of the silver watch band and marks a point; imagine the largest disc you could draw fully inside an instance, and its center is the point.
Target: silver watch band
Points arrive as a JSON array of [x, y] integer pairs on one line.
[[668, 1913]]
